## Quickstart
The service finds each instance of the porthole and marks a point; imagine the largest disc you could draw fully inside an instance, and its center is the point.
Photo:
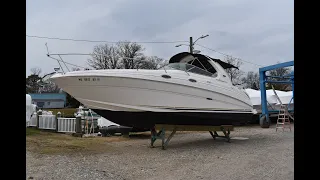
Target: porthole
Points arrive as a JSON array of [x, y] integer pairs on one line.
[[166, 76], [209, 98], [192, 80]]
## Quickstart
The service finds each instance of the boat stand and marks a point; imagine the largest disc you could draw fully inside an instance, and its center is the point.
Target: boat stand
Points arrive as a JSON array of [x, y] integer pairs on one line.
[[174, 128], [225, 132]]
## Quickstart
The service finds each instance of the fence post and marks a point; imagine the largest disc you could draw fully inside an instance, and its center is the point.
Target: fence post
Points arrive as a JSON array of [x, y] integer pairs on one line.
[[38, 114], [57, 122], [78, 126]]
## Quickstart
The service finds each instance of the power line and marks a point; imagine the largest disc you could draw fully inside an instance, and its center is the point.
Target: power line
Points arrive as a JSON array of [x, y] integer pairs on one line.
[[228, 55], [91, 54], [85, 40]]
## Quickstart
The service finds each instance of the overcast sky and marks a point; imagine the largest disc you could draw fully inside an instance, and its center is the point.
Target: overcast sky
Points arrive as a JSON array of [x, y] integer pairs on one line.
[[258, 31]]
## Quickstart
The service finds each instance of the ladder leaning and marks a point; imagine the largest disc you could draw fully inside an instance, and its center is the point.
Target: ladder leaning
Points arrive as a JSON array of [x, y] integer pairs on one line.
[[284, 116], [283, 120]]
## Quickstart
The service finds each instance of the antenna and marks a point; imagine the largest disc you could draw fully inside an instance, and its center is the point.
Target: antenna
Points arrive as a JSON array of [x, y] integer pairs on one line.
[[53, 58], [47, 49]]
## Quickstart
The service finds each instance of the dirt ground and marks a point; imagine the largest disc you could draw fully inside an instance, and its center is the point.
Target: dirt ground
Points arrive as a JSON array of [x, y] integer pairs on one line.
[[253, 153]]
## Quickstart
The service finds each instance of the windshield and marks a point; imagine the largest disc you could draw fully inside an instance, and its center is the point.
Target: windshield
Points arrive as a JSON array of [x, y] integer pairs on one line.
[[188, 68]]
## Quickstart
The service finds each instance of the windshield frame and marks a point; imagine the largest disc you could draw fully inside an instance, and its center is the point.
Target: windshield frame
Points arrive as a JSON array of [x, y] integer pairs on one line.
[[189, 68]]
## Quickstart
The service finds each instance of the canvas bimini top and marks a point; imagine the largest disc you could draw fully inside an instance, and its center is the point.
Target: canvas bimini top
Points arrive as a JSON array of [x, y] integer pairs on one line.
[[202, 61]]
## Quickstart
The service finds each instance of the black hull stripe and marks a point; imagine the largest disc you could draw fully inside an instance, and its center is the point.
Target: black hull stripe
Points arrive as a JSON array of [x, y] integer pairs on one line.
[[213, 110], [149, 119]]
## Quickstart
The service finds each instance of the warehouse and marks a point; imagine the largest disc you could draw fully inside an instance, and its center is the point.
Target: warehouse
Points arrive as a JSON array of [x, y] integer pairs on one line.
[[49, 100]]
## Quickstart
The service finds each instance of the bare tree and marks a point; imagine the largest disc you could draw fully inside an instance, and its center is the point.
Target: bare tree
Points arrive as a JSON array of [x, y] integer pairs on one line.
[[163, 63], [105, 57], [36, 71], [152, 62], [279, 72], [131, 53], [123, 55], [32, 85], [251, 80], [75, 69], [49, 87], [235, 74]]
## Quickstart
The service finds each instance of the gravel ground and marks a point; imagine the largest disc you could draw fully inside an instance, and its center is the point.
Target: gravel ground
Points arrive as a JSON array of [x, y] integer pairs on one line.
[[254, 153]]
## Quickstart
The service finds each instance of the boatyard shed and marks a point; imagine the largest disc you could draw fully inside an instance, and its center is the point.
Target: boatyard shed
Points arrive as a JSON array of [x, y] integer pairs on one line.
[[49, 100]]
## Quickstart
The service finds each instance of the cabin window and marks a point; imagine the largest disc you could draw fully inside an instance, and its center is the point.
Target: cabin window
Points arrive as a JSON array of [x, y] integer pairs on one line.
[[40, 104]]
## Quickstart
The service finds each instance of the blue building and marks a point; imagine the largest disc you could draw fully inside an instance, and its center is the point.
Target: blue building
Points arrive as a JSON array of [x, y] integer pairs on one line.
[[49, 100]]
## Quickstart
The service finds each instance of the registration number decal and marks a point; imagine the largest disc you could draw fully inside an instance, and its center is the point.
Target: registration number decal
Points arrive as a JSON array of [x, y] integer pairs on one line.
[[89, 79]]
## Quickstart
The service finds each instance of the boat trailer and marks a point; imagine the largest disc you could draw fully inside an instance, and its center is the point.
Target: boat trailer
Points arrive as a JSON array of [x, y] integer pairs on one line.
[[174, 128]]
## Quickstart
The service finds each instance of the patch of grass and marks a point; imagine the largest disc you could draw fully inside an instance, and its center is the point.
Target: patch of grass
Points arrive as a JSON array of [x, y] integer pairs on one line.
[[32, 131], [65, 112], [44, 142], [141, 135]]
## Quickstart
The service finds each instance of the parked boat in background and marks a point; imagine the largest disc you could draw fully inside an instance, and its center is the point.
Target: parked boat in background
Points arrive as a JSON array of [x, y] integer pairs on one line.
[[272, 101]]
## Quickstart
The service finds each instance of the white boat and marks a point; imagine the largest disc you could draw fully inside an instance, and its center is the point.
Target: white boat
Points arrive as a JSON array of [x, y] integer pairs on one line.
[[272, 101], [193, 89], [103, 122], [30, 109]]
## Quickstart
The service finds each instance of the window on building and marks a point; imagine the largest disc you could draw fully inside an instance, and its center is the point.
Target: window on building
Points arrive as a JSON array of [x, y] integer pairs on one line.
[[40, 104]]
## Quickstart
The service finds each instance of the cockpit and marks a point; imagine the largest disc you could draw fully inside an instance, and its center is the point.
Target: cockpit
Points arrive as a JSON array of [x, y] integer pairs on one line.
[[196, 63]]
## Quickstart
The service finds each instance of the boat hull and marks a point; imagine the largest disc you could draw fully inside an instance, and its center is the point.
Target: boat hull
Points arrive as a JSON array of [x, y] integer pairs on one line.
[[149, 91], [144, 98], [147, 120]]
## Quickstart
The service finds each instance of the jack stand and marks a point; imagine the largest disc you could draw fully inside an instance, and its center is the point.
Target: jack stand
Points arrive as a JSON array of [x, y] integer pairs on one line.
[[226, 134], [174, 128], [161, 135]]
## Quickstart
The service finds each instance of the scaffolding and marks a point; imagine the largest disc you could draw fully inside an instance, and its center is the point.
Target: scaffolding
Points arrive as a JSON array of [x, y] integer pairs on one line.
[[264, 116]]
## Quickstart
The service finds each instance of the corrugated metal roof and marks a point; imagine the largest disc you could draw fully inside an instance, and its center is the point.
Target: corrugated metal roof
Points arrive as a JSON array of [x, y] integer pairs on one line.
[[49, 96]]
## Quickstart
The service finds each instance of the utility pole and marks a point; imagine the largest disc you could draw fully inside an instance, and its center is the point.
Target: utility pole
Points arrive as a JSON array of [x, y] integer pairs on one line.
[[192, 43], [191, 46]]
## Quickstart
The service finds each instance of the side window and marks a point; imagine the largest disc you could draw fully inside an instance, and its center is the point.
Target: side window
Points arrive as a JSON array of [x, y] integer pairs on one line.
[[40, 104]]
